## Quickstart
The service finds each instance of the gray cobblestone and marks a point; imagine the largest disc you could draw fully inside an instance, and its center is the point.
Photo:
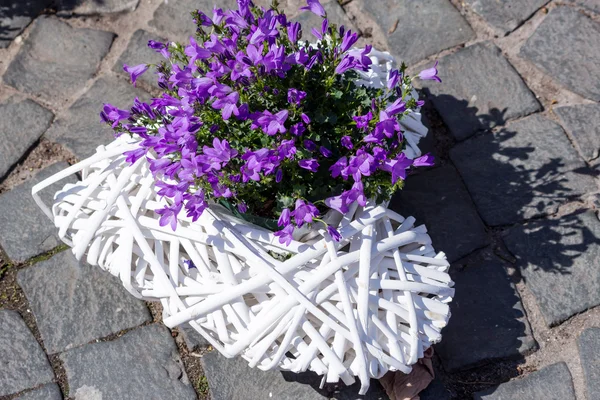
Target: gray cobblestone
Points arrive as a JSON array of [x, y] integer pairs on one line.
[[25, 231], [526, 169], [75, 303], [564, 46], [23, 363], [422, 28], [21, 125], [560, 261], [549, 383], [44, 66], [15, 16], [506, 16], [225, 377], [46, 392], [582, 121], [142, 364], [589, 351], [486, 305], [79, 128], [438, 199], [480, 89], [93, 7]]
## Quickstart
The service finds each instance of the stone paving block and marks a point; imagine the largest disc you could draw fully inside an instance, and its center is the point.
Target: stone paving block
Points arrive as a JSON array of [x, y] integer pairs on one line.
[[480, 89], [142, 364], [191, 337], [486, 306], [582, 121], [93, 7], [173, 20], [57, 60], [138, 52], [309, 20], [549, 383], [438, 199], [25, 231], [423, 28], [435, 391], [21, 125], [589, 352], [75, 303], [47, 392], [565, 46], [23, 364], [525, 170], [560, 261], [505, 16], [16, 15], [593, 5], [233, 379], [79, 128]]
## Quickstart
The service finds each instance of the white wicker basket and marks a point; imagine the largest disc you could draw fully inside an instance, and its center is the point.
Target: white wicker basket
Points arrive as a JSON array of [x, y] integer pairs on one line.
[[369, 304]]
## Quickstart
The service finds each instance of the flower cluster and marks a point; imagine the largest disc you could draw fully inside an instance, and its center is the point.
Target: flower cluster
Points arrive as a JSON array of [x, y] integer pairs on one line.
[[255, 118]]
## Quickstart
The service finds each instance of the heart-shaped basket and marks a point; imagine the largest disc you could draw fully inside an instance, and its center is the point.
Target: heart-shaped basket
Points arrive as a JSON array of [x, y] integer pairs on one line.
[[371, 303]]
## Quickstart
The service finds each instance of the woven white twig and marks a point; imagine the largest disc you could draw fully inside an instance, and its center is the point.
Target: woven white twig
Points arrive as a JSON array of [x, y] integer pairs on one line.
[[371, 303]]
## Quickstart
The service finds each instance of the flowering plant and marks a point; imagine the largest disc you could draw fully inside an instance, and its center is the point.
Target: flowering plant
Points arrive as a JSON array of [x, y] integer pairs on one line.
[[278, 127]]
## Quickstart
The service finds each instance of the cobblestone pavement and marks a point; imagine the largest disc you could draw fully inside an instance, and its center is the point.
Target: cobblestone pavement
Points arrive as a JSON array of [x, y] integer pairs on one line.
[[513, 200]]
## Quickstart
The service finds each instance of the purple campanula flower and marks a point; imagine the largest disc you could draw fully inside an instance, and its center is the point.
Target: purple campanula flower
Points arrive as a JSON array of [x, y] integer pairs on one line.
[[287, 149], [361, 164], [325, 151], [195, 52], [348, 62], [133, 155], [242, 207], [285, 235], [318, 56], [135, 71], [305, 118], [218, 15], [362, 59], [284, 218], [362, 121], [214, 45], [295, 96], [357, 194], [279, 175], [297, 129], [309, 145], [338, 203], [254, 53], [227, 105], [430, 73], [348, 41], [337, 168], [168, 215], [347, 142], [195, 204], [310, 164], [305, 212], [271, 124], [293, 31], [221, 151], [426, 160], [335, 235], [397, 167], [396, 107], [266, 30], [204, 19], [159, 47], [240, 66], [315, 7], [393, 79], [113, 114]]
